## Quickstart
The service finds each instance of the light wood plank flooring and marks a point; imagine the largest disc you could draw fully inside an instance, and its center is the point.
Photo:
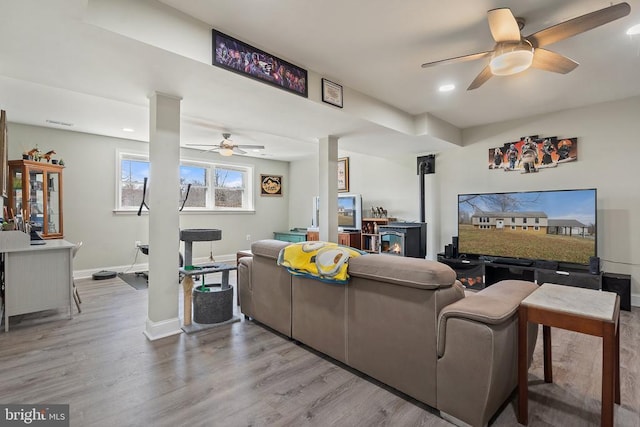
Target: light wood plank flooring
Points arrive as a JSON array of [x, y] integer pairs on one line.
[[246, 375]]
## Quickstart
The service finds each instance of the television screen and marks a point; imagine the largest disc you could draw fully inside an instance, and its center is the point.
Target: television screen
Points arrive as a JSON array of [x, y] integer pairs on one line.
[[544, 225], [349, 212]]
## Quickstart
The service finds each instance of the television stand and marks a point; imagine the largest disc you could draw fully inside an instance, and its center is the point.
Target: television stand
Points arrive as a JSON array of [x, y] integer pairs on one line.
[[513, 261], [478, 274]]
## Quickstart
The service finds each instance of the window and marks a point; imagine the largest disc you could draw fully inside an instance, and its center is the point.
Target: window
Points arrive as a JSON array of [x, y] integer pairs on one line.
[[513, 227], [524, 227], [213, 186], [230, 187], [536, 228], [513, 219], [537, 220], [524, 220]]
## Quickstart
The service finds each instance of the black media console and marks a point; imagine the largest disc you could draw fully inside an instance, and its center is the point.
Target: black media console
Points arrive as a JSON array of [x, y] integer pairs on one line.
[[478, 274]]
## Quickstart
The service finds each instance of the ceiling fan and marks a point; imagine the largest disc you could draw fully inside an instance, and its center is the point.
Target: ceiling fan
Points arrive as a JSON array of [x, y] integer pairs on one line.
[[227, 146], [514, 53]]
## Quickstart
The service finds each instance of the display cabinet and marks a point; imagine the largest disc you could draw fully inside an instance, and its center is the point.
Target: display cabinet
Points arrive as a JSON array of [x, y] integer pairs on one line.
[[35, 196]]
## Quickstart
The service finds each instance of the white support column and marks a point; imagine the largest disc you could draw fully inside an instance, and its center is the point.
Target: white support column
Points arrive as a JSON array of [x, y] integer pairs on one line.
[[164, 226], [328, 186]]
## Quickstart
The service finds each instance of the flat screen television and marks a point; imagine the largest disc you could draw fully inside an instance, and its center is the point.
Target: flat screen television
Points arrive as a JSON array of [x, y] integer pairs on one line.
[[349, 212], [535, 225]]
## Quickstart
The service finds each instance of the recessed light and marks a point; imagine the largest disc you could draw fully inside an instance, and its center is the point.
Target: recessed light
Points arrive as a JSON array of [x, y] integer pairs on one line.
[[447, 88], [128, 130], [634, 30], [255, 150]]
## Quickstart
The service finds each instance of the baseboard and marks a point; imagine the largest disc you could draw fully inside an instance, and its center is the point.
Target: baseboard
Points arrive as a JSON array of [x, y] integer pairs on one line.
[[83, 274], [635, 300], [165, 328]]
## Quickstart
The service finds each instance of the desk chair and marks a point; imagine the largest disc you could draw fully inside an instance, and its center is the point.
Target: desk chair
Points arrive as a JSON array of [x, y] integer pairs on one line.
[[76, 296]]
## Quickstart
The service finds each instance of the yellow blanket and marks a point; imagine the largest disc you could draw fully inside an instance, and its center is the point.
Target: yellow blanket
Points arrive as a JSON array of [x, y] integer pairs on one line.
[[324, 261]]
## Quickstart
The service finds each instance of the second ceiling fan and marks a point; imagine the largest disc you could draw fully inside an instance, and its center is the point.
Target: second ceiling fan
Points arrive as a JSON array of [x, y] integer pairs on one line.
[[228, 147], [514, 53]]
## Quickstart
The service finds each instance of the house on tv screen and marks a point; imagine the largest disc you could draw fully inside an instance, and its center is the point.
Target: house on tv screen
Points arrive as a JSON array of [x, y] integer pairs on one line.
[[528, 221]]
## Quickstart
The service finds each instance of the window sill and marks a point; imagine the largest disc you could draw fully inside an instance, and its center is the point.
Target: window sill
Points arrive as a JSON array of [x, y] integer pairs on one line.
[[189, 212]]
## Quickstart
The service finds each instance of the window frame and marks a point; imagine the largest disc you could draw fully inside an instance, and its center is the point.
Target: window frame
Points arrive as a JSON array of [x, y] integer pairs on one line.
[[248, 199]]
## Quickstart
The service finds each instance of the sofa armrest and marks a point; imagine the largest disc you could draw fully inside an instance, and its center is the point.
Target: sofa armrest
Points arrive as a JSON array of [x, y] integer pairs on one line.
[[493, 305], [478, 351]]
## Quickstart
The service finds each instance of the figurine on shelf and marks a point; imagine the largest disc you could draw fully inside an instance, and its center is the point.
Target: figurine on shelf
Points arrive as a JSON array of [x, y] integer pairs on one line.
[[34, 154], [61, 162], [47, 155]]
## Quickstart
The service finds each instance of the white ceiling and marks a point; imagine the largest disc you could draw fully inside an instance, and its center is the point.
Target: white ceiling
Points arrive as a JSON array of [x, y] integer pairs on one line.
[[55, 65]]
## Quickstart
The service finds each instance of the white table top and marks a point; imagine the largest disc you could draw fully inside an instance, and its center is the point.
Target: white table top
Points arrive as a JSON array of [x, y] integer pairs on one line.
[[569, 299], [49, 245]]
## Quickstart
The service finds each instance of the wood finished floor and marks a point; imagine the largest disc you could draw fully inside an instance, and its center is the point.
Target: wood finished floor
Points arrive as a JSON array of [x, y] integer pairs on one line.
[[243, 374]]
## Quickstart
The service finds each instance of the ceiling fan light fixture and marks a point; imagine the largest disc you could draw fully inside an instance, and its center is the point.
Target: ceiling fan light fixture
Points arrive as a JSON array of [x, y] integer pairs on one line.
[[226, 152], [511, 58]]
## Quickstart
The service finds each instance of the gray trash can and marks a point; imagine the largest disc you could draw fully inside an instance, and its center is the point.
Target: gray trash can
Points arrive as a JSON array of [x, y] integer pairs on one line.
[[214, 306]]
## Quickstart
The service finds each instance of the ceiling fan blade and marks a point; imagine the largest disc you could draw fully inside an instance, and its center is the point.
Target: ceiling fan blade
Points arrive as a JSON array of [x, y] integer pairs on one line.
[[503, 25], [550, 61], [238, 150], [463, 58], [578, 25], [251, 147], [200, 145], [481, 78]]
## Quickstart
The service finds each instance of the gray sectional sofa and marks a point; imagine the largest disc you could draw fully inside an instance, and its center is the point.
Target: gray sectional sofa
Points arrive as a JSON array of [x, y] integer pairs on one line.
[[403, 321]]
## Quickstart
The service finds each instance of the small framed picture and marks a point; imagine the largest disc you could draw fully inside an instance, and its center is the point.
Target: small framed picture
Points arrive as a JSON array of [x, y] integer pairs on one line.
[[343, 175], [331, 93], [271, 185]]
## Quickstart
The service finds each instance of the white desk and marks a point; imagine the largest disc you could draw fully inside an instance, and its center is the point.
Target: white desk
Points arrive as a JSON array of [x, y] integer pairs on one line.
[[38, 277]]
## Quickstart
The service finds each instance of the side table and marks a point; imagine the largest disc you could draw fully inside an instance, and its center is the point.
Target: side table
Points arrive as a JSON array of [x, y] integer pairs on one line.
[[582, 310]]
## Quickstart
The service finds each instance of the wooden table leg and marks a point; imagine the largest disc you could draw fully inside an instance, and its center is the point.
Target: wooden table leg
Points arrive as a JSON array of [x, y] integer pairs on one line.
[[523, 365], [616, 354], [546, 344], [608, 373], [187, 287]]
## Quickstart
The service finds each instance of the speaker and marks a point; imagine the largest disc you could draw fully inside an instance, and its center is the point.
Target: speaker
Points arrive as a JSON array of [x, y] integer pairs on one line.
[[448, 251], [594, 265], [621, 285]]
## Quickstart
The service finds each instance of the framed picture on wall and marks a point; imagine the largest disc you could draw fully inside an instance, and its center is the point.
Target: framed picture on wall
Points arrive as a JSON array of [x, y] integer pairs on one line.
[[343, 175], [271, 185], [331, 93], [242, 58]]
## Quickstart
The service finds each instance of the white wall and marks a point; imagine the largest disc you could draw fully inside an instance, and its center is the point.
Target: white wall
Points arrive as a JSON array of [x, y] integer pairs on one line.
[[89, 199], [390, 182], [608, 150]]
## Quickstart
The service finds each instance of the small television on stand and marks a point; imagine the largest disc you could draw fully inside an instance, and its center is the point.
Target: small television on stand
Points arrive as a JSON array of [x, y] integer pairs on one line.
[[349, 212]]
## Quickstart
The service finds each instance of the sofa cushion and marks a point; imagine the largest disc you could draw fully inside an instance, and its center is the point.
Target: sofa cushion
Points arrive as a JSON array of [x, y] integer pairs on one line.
[[405, 271], [268, 248]]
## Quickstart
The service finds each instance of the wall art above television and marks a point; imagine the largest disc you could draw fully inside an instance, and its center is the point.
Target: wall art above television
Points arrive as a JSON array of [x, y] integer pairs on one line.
[[533, 153], [555, 225], [242, 58]]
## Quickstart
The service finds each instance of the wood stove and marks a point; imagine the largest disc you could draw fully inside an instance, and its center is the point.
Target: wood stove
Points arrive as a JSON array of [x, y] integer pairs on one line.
[[392, 243], [404, 239]]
